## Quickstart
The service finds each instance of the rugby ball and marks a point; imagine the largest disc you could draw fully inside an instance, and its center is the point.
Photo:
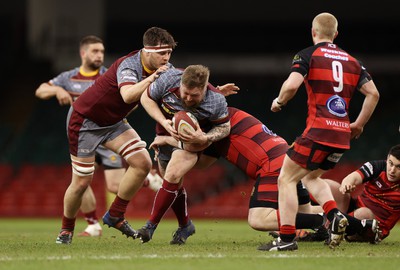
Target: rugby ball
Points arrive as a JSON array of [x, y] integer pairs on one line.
[[184, 120]]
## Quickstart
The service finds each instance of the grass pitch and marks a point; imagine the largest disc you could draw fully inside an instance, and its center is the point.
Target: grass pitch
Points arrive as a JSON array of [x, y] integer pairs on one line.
[[217, 244]]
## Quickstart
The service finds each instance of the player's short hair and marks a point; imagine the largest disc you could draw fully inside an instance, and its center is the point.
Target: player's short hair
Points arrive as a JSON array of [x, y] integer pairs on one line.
[[325, 24], [395, 151], [195, 76], [155, 36], [91, 39]]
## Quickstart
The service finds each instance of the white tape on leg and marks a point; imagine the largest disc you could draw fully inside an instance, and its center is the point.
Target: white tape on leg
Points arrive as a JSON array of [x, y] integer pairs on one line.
[[131, 147], [82, 168]]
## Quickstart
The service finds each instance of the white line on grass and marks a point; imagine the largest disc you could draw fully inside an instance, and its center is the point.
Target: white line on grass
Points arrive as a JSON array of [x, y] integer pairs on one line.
[[186, 255]]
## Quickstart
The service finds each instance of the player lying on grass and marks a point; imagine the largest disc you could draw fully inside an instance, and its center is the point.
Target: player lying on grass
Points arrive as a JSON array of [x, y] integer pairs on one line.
[[380, 198], [258, 152]]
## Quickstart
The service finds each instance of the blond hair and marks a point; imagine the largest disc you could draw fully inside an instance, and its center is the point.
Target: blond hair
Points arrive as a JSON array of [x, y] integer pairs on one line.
[[195, 76], [325, 25]]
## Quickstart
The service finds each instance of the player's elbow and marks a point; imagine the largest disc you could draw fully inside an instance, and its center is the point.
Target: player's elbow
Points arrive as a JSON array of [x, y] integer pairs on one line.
[[40, 94], [376, 96]]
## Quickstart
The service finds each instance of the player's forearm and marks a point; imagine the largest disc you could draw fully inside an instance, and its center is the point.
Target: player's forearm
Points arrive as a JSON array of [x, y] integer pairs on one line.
[[289, 88], [368, 107], [171, 141], [46, 91], [195, 147], [352, 179], [218, 132], [287, 93], [152, 108], [132, 93]]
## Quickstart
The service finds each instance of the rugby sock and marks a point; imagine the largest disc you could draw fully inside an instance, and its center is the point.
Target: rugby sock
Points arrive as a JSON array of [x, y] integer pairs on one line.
[[308, 221], [118, 207], [165, 197], [68, 224], [180, 207], [91, 217], [355, 225], [330, 208], [287, 233]]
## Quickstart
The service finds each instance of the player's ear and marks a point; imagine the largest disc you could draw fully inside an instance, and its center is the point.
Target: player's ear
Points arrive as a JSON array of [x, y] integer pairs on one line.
[[336, 34]]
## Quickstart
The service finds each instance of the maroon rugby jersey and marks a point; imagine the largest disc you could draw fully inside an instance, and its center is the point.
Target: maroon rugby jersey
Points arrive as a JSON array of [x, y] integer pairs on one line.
[[102, 102], [331, 76], [380, 195]]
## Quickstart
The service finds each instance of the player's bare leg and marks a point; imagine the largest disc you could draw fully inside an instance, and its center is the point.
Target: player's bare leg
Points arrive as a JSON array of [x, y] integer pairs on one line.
[[88, 208], [82, 176], [132, 149]]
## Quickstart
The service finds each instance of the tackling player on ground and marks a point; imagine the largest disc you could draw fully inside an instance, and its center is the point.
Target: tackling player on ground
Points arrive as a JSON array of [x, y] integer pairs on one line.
[[380, 198]]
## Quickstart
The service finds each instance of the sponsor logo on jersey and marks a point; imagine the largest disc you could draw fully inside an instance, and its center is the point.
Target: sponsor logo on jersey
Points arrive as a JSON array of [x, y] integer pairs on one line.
[[335, 157], [378, 184], [296, 59], [369, 168], [338, 124], [128, 75], [268, 131], [335, 54], [336, 106], [168, 111]]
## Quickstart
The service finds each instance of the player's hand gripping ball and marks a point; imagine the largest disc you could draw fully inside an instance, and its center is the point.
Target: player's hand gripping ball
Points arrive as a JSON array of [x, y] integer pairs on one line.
[[184, 120]]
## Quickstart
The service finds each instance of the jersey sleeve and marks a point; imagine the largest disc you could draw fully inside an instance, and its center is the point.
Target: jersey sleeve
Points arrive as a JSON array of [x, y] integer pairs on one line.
[[301, 61], [156, 90], [126, 74], [364, 76], [61, 80], [219, 107], [372, 169], [168, 80]]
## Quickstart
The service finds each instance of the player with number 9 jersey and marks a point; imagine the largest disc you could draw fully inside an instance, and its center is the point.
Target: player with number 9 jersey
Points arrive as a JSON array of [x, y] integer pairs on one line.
[[331, 77]]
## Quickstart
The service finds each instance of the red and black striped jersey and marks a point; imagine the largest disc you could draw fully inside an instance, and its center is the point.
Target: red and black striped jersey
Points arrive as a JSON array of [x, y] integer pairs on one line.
[[251, 146], [380, 195], [331, 77]]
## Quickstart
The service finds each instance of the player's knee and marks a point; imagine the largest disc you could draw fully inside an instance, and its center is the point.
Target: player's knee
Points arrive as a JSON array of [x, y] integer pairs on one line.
[[256, 223], [82, 169], [253, 219], [144, 170], [262, 219], [363, 213], [131, 148], [112, 187], [252, 222]]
